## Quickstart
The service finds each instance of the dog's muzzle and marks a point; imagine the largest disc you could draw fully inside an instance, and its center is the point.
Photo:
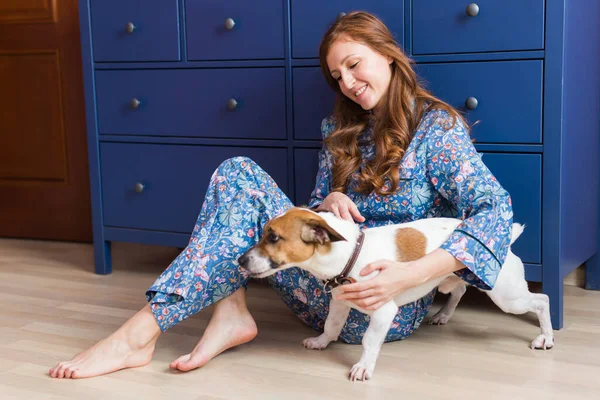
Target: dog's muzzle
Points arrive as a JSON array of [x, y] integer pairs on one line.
[[256, 264]]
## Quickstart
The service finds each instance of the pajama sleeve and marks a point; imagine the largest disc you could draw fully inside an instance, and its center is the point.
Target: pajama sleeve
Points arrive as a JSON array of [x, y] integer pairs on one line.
[[323, 180], [457, 172]]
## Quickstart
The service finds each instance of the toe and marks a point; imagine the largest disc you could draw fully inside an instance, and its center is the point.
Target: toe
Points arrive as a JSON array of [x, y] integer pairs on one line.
[[188, 365], [180, 361], [175, 362]]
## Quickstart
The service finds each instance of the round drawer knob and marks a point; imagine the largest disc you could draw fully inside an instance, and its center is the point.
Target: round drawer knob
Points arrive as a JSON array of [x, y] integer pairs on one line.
[[139, 187], [471, 103], [340, 15], [472, 10], [232, 104], [135, 103], [130, 27], [229, 24]]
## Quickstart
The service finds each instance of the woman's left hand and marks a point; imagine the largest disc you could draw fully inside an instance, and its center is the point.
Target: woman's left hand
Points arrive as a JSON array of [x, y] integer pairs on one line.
[[393, 278]]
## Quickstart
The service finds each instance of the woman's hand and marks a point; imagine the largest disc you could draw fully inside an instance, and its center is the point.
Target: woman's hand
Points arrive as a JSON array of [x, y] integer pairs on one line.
[[394, 277], [341, 205]]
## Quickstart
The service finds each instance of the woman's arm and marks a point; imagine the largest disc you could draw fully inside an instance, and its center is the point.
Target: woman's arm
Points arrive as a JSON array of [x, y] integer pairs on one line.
[[457, 172], [395, 277]]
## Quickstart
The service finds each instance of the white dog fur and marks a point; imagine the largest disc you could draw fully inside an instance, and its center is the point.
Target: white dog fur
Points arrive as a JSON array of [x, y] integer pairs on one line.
[[322, 244]]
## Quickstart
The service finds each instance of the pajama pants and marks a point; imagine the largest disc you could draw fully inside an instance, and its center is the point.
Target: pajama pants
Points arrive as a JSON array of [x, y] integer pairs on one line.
[[240, 199]]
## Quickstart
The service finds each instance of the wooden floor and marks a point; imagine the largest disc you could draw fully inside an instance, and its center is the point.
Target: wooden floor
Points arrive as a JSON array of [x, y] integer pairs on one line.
[[55, 306]]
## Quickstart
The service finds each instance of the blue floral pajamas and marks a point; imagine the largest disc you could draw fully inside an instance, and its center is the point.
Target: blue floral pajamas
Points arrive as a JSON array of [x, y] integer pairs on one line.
[[441, 175]]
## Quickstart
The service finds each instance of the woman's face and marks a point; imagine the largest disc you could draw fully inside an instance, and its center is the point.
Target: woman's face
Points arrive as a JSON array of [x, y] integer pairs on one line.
[[363, 74]]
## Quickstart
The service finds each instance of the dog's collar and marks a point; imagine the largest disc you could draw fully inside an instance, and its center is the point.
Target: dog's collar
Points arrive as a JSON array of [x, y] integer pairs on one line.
[[343, 278]]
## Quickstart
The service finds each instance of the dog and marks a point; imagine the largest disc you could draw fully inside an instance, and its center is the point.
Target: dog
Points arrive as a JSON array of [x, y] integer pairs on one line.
[[324, 245]]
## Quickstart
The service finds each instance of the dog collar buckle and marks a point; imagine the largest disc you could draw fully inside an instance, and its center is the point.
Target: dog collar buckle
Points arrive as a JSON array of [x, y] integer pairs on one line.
[[329, 285], [343, 278]]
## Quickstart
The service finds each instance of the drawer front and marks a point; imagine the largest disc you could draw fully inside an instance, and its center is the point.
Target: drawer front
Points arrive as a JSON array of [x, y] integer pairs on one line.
[[234, 29], [519, 174], [217, 103], [153, 35], [444, 26], [312, 18], [508, 95], [174, 179], [313, 101], [306, 165]]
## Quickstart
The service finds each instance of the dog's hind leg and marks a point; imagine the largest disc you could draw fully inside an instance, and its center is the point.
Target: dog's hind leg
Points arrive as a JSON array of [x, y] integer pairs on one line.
[[512, 295], [338, 314], [457, 288]]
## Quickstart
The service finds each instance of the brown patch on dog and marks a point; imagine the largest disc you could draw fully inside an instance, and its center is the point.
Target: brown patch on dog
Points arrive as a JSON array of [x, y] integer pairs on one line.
[[295, 236], [411, 244]]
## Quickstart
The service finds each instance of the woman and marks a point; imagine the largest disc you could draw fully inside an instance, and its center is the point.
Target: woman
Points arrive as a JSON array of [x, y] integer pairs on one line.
[[392, 153]]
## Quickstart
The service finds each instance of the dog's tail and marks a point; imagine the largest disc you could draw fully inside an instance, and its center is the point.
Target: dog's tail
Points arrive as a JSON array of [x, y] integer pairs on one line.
[[517, 229]]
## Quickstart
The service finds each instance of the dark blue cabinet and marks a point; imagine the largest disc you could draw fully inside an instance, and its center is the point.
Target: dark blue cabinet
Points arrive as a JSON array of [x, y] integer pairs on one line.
[[174, 87]]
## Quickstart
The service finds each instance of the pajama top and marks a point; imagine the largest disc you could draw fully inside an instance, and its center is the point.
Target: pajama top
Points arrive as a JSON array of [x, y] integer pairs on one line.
[[441, 175]]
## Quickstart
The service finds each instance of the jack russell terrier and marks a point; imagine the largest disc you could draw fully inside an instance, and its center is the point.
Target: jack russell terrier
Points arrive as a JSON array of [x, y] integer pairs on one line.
[[330, 248]]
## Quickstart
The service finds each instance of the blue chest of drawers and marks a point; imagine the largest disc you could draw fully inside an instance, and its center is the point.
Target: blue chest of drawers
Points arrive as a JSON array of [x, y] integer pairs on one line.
[[174, 87]]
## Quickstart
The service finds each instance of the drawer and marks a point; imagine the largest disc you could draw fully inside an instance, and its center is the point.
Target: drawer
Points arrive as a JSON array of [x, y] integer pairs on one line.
[[508, 94], [234, 29], [174, 179], [218, 103], [445, 26], [152, 36], [306, 165], [313, 101], [519, 174], [311, 18]]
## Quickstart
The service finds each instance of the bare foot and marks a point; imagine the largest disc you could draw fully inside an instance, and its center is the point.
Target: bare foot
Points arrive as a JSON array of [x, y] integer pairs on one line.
[[132, 345], [230, 326]]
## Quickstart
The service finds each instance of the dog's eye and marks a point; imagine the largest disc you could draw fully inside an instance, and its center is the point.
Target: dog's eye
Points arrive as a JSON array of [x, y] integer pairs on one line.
[[273, 238]]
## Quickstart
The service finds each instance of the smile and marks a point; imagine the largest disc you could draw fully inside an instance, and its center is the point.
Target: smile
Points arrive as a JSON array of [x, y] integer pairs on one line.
[[360, 91]]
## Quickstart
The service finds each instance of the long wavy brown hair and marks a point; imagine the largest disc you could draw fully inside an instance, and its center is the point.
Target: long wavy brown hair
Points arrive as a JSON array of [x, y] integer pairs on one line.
[[404, 104]]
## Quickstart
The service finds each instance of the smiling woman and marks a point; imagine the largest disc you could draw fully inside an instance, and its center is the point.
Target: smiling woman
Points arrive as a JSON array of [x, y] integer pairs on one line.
[[386, 135], [363, 75]]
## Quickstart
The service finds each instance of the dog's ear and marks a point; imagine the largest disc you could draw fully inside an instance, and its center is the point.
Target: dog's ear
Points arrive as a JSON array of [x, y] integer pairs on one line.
[[317, 231]]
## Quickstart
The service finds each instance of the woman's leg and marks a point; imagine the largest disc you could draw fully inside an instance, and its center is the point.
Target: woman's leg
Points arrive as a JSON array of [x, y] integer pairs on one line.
[[239, 201], [304, 295]]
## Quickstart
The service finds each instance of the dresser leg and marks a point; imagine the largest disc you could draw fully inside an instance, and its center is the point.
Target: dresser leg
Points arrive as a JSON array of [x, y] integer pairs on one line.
[[102, 257], [592, 272], [554, 288]]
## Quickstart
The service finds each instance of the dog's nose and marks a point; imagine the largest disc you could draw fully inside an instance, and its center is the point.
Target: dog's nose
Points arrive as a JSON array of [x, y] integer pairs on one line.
[[243, 260]]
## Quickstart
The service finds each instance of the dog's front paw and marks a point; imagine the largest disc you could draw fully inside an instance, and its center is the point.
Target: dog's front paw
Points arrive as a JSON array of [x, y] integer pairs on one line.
[[543, 342], [361, 372], [316, 343]]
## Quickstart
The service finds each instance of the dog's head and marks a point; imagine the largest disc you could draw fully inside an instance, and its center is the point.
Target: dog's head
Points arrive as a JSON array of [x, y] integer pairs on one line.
[[288, 240]]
